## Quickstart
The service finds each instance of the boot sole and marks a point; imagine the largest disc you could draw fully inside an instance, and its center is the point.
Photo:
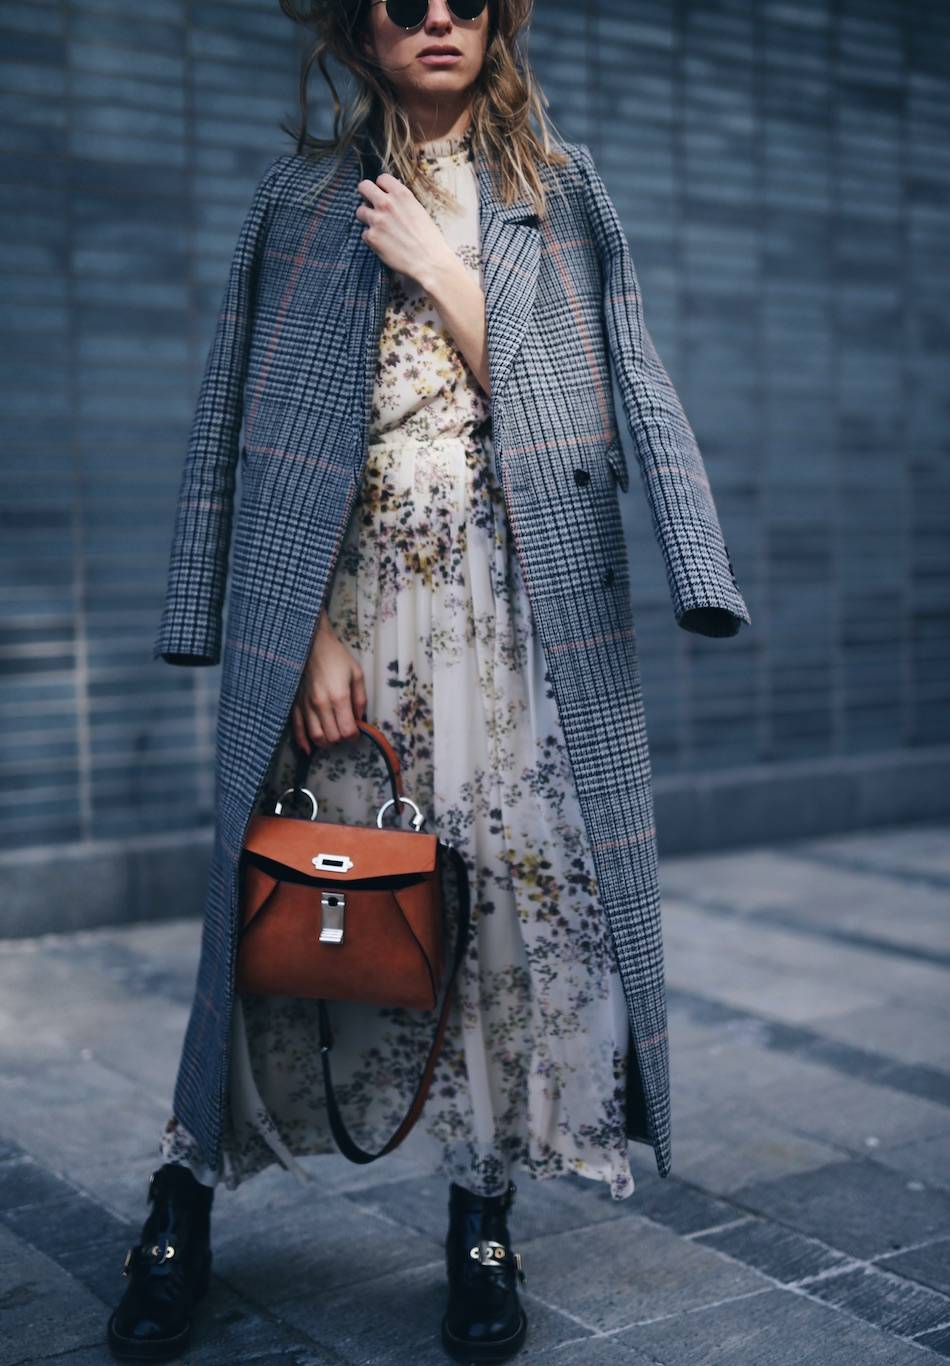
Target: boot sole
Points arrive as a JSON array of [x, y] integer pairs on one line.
[[499, 1349], [159, 1349]]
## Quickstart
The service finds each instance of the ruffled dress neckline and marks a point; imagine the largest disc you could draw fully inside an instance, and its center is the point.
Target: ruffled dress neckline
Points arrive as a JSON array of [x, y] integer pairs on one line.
[[446, 147]]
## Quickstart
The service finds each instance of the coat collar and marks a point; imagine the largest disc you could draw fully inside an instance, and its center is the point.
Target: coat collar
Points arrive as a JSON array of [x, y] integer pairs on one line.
[[510, 247]]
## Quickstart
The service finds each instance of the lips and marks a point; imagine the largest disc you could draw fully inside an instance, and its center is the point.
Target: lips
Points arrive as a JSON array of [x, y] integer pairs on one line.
[[440, 52]]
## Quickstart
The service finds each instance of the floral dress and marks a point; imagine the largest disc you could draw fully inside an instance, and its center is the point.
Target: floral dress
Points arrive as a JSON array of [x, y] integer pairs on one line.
[[428, 596]]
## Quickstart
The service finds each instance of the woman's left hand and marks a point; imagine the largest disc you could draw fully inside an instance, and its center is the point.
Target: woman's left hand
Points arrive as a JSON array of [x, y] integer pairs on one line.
[[398, 228]]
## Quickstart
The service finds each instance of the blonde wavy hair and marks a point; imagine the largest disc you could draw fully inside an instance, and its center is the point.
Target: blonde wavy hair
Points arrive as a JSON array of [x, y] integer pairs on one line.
[[504, 97]]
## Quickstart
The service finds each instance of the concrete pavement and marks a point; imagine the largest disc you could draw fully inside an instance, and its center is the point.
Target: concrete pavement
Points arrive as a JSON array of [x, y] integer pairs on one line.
[[807, 1220]]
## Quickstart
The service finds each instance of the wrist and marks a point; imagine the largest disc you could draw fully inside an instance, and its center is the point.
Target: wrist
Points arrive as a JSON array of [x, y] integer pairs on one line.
[[437, 276]]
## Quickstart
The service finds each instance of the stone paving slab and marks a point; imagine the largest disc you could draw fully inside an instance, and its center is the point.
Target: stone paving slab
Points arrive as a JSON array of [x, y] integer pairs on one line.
[[43, 1309], [394, 1320], [733, 1149], [540, 1207], [923, 1159], [635, 1270], [908, 1031], [807, 1218], [774, 1328], [859, 1206], [791, 975], [916, 853], [313, 1240], [929, 1264]]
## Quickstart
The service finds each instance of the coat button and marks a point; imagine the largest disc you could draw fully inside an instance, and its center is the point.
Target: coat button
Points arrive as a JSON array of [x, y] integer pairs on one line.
[[582, 476], [609, 577]]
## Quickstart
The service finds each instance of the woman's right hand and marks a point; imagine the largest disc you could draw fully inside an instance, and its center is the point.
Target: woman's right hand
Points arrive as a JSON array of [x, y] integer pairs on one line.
[[331, 692]]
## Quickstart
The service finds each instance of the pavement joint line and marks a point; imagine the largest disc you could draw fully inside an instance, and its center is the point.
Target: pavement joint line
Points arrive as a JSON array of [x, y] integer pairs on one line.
[[560, 1310], [936, 1328], [876, 1069], [720, 1228], [830, 1272], [57, 1356], [636, 1354], [764, 917], [691, 1309], [401, 1224], [911, 1247], [801, 1286]]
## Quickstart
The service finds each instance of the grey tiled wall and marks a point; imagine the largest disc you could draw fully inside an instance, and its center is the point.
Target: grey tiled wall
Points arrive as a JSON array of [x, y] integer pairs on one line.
[[783, 174]]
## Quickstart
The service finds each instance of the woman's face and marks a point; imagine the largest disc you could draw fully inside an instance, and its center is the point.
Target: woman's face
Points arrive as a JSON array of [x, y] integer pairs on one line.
[[429, 85]]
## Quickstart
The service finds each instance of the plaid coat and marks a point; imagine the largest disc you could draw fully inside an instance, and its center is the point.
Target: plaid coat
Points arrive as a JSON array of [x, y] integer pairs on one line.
[[286, 391]]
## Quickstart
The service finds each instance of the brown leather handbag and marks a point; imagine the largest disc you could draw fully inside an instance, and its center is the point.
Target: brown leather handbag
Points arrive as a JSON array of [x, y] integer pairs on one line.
[[350, 912]]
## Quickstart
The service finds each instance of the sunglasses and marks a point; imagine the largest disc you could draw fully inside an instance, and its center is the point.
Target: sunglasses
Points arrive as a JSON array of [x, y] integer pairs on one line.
[[410, 14]]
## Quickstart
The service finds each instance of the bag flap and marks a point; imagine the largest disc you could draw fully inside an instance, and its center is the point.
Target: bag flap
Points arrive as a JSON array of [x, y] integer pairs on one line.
[[348, 851]]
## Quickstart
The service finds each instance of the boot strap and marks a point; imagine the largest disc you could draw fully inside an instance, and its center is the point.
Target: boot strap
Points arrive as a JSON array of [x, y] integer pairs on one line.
[[487, 1251], [147, 1254]]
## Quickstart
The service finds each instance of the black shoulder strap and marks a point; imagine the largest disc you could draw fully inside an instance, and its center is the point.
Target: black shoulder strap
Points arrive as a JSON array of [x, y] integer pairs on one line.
[[343, 1139]]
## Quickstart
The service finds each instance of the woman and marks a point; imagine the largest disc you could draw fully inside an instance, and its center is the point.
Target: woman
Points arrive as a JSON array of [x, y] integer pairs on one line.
[[429, 451]]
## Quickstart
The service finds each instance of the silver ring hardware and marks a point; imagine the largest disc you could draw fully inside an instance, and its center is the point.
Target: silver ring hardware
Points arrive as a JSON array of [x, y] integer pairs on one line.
[[278, 806], [418, 820]]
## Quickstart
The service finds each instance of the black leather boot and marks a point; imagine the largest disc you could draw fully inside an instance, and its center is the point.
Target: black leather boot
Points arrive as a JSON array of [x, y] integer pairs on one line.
[[484, 1320], [168, 1271]]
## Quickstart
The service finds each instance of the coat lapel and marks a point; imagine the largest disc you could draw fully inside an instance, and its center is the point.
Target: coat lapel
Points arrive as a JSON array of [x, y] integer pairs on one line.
[[510, 240], [510, 246]]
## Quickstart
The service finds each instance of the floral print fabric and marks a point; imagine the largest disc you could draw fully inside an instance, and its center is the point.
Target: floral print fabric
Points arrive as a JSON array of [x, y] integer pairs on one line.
[[428, 595]]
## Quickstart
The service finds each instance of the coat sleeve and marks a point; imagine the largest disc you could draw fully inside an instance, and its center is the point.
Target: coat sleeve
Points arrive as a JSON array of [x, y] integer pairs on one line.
[[699, 570], [190, 627]]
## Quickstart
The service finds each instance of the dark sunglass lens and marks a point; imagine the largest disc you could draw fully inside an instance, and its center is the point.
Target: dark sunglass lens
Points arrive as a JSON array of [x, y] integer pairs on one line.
[[466, 9], [408, 13]]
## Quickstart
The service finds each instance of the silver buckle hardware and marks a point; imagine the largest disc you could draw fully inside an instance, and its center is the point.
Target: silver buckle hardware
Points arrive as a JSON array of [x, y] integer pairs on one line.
[[332, 909], [158, 1252], [487, 1251]]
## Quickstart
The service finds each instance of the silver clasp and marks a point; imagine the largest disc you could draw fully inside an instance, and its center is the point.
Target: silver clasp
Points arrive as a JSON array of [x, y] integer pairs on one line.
[[332, 907]]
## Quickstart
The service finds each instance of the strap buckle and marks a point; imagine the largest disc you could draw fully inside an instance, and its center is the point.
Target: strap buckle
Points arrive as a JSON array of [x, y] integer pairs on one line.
[[156, 1253], [489, 1252]]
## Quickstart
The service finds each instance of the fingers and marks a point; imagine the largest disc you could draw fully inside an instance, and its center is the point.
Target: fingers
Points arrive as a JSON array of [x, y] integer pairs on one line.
[[359, 696], [376, 193], [329, 719], [330, 696], [314, 716], [343, 716], [301, 739]]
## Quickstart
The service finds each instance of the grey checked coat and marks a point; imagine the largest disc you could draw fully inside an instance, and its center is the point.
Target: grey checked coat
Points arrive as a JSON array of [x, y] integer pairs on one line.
[[286, 391]]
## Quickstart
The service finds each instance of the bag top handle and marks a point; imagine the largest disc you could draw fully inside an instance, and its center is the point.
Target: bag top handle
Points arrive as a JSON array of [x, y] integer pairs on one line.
[[382, 744]]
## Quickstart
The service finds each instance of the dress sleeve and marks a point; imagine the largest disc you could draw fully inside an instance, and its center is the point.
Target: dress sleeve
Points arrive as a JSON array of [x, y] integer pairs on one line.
[[705, 593], [190, 627]]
